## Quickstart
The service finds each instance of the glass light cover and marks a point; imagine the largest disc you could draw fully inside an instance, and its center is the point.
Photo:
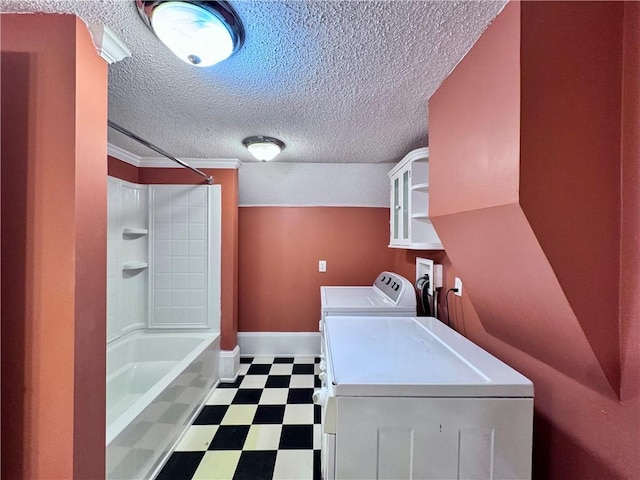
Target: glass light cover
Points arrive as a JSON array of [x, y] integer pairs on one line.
[[264, 151], [194, 34]]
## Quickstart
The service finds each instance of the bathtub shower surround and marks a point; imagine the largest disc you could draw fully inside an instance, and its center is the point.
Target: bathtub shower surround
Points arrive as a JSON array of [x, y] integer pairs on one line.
[[156, 382], [163, 249], [163, 317], [127, 257], [185, 256]]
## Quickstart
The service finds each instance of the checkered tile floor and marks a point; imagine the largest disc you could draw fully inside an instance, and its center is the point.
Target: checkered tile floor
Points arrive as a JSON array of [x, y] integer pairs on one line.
[[263, 426]]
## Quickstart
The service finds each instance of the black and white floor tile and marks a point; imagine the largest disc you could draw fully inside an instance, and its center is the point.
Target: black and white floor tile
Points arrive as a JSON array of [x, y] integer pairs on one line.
[[263, 426]]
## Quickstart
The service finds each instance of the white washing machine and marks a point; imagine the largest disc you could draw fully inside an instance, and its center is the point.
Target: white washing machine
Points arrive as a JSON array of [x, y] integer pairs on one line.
[[408, 397], [390, 295]]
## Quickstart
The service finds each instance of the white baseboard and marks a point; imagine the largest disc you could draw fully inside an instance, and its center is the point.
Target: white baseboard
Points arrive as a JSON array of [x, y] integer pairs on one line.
[[291, 344], [229, 364]]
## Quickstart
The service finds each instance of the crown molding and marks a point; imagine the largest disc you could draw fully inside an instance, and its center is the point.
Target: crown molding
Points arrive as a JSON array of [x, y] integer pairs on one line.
[[160, 162], [124, 155], [107, 43]]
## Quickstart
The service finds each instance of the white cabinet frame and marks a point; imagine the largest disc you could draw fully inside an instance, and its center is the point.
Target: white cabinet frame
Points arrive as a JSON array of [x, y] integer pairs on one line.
[[410, 226]]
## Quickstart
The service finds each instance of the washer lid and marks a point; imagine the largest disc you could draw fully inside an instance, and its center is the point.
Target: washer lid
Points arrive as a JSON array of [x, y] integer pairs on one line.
[[413, 357]]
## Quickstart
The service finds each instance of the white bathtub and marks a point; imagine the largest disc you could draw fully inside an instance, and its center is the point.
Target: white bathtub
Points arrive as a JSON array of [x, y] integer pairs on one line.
[[156, 382]]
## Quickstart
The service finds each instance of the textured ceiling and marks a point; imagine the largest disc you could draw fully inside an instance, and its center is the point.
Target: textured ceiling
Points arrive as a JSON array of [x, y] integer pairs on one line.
[[337, 81]]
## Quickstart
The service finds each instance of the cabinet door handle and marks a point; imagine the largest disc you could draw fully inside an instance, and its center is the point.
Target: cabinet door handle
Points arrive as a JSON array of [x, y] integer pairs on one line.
[[397, 207]]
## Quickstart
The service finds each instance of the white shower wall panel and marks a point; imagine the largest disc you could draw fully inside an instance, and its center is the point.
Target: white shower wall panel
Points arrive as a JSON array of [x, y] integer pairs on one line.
[[185, 256], [135, 249], [127, 211], [114, 264], [135, 213]]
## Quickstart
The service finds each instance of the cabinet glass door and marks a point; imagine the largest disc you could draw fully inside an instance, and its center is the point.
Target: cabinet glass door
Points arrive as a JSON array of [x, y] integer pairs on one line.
[[396, 208], [405, 205]]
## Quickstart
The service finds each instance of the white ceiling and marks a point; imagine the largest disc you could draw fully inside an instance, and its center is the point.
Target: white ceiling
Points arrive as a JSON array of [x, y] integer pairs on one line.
[[340, 81]]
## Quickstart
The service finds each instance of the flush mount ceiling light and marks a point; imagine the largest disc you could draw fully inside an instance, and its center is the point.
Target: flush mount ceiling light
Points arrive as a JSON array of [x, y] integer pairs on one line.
[[198, 32], [263, 148]]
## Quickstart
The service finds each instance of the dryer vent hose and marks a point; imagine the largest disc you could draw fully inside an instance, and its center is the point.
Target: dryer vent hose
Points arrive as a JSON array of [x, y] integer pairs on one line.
[[422, 285]]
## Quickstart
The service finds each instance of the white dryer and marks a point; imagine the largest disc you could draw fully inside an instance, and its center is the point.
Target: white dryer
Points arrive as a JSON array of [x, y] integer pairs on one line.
[[391, 295], [409, 398]]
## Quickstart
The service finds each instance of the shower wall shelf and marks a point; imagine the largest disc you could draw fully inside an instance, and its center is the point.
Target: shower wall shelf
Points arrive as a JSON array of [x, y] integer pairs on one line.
[[138, 232], [135, 266]]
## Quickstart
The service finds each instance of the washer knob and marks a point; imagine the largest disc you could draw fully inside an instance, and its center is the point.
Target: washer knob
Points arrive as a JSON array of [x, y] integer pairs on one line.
[[318, 397]]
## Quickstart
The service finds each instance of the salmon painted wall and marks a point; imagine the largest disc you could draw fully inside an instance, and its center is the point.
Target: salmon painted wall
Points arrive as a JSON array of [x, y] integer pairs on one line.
[[91, 100], [630, 206], [570, 177], [54, 110], [228, 180], [529, 295], [122, 170], [503, 234], [278, 264]]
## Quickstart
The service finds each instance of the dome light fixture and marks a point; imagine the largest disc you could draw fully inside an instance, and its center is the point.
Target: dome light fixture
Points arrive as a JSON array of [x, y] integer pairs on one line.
[[263, 148], [200, 33]]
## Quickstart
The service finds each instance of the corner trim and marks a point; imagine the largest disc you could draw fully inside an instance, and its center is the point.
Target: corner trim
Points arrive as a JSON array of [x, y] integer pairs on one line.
[[229, 364]]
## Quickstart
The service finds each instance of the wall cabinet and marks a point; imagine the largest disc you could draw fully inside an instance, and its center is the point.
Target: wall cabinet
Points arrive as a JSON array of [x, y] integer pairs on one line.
[[410, 226]]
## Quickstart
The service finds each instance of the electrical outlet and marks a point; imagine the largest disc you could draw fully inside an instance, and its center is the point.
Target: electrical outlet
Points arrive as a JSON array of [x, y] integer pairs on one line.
[[322, 266], [458, 285]]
